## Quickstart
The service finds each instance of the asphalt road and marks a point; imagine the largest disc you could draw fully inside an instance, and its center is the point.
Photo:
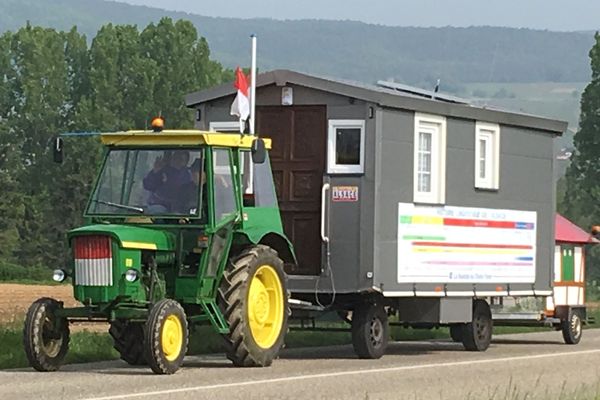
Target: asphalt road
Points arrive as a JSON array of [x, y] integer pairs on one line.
[[523, 366]]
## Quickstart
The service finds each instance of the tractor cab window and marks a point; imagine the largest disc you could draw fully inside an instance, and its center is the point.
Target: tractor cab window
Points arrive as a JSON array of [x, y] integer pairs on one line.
[[166, 182], [263, 193], [223, 184]]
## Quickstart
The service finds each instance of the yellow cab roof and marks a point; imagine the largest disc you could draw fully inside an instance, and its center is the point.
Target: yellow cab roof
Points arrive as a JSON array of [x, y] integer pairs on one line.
[[187, 137]]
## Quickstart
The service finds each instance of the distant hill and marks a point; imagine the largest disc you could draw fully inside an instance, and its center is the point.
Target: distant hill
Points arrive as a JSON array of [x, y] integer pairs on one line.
[[346, 49]]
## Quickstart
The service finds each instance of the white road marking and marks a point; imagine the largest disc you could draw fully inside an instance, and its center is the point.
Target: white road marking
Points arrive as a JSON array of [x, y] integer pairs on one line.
[[341, 373]]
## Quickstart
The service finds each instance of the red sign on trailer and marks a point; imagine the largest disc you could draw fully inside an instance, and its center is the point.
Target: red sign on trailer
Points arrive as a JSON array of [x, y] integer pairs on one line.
[[344, 193]]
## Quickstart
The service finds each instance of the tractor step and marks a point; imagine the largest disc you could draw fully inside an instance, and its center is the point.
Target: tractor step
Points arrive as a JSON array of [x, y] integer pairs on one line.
[[215, 316]]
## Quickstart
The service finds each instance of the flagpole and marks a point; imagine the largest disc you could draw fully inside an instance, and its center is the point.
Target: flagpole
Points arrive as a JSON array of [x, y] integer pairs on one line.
[[250, 187], [253, 86]]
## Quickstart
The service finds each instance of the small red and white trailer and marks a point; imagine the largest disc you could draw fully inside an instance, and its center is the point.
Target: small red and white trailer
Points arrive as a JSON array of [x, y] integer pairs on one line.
[[565, 309]]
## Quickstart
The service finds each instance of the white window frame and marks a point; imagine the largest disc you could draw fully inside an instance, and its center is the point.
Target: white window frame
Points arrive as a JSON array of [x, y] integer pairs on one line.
[[436, 125], [225, 127], [332, 166], [490, 133]]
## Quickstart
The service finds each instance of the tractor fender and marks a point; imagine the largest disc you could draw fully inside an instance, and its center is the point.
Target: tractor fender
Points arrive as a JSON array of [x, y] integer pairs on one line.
[[274, 240]]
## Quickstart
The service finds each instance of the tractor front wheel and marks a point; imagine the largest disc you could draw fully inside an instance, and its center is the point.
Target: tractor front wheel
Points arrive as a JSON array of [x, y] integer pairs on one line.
[[45, 336], [253, 299], [128, 340], [166, 337]]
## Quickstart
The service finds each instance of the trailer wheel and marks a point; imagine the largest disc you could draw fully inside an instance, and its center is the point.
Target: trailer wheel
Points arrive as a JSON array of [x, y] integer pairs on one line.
[[456, 332], [45, 336], [253, 299], [370, 330], [572, 328], [166, 337], [477, 334], [128, 340]]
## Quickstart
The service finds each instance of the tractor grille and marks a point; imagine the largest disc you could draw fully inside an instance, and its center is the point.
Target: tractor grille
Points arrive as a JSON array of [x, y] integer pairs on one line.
[[93, 261]]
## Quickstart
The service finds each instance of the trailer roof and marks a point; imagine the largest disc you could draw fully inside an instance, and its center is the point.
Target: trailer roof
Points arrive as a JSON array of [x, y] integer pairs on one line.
[[568, 232], [392, 97], [179, 138]]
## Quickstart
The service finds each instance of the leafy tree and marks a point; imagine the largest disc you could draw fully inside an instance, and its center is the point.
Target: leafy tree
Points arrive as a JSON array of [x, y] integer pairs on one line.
[[582, 198], [11, 200], [51, 82], [183, 65], [582, 202], [40, 111]]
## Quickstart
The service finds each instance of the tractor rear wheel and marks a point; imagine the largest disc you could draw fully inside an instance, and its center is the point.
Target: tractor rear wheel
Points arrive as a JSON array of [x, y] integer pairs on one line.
[[128, 340], [166, 337], [370, 330], [253, 299], [45, 336], [477, 334]]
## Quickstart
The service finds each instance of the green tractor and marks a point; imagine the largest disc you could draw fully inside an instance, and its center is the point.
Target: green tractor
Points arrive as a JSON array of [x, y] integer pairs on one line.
[[174, 238]]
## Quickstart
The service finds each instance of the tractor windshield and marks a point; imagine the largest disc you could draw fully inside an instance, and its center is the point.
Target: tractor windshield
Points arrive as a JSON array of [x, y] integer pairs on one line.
[[150, 182]]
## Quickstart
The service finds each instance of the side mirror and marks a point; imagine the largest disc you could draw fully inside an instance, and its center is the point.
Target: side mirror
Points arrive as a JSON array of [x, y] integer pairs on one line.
[[259, 152], [57, 149]]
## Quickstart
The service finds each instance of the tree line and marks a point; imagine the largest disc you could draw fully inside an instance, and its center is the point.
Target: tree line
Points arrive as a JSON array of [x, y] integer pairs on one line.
[[580, 200], [54, 81]]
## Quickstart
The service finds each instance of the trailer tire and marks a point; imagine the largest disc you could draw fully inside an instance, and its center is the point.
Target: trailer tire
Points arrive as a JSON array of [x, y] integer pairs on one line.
[[572, 328], [166, 337], [370, 330], [45, 347], [254, 300], [477, 334], [456, 332], [128, 340]]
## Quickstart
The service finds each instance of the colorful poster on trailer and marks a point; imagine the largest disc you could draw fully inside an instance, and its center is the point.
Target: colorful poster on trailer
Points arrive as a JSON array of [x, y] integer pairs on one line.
[[448, 244]]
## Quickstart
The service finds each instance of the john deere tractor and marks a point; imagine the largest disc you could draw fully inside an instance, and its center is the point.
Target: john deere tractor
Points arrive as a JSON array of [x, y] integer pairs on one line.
[[174, 238]]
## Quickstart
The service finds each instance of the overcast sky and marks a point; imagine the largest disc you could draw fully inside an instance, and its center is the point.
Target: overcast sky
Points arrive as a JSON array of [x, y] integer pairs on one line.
[[562, 15]]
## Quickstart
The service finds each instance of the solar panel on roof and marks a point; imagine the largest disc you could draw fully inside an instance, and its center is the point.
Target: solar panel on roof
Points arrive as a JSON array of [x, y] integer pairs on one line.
[[430, 94]]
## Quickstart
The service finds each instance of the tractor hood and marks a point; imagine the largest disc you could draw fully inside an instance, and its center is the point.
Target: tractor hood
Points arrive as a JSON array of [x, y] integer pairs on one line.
[[130, 237]]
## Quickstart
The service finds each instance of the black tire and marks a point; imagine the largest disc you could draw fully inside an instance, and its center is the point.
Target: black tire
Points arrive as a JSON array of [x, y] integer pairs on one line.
[[477, 334], [242, 348], [166, 357], [128, 340], [456, 332], [370, 330], [45, 337], [572, 329]]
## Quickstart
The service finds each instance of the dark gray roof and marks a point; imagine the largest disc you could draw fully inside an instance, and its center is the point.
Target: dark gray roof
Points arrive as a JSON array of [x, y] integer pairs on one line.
[[400, 98]]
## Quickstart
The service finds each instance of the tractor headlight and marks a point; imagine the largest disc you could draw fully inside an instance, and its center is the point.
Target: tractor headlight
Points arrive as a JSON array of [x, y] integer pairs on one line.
[[59, 275], [131, 275]]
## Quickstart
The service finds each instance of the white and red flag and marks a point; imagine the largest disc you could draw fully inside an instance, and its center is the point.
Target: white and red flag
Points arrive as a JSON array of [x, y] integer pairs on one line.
[[241, 104]]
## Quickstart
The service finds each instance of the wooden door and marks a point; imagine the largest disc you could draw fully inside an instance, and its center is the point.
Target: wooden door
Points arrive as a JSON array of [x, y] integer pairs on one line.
[[298, 163]]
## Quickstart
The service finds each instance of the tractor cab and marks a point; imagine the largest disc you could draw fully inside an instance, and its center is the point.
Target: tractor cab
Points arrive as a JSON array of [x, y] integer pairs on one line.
[[182, 228]]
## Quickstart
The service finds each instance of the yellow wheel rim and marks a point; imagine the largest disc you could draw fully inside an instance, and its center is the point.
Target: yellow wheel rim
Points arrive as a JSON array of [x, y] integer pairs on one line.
[[172, 337], [265, 306]]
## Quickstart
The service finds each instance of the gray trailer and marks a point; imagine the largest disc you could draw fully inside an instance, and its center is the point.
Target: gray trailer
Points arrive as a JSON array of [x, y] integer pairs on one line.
[[404, 203]]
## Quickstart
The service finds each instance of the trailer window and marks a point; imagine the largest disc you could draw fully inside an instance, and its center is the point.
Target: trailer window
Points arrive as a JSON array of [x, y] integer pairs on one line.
[[429, 159], [345, 148], [487, 155]]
